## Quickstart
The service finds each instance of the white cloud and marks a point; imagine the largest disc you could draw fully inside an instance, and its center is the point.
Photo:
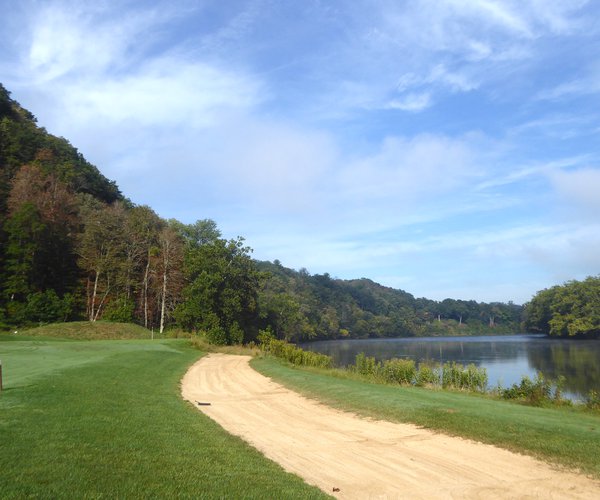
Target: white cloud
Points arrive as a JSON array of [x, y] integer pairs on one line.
[[411, 102], [580, 188], [583, 86], [165, 92], [404, 169]]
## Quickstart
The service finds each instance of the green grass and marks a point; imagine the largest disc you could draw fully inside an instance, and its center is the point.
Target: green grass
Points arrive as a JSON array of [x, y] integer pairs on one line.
[[564, 436], [87, 330], [104, 419]]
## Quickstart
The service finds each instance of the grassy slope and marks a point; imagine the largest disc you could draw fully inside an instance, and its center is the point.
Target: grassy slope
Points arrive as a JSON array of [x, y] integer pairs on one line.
[[560, 435], [105, 419], [87, 330]]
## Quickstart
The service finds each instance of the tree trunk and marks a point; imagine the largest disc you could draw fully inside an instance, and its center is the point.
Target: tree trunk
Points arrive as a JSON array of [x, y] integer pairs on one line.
[[164, 288], [93, 303], [145, 292]]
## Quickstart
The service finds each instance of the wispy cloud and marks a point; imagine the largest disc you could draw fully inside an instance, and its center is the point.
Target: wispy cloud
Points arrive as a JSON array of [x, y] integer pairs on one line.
[[410, 102]]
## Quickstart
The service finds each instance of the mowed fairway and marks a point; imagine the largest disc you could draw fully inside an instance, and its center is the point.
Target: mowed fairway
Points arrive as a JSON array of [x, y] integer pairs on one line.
[[105, 419]]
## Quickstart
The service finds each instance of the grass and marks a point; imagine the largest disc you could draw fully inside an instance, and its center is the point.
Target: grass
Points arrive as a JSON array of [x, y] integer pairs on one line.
[[564, 436], [104, 419], [87, 330]]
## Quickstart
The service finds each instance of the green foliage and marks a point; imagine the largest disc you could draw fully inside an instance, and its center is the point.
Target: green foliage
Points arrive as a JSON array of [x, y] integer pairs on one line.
[[399, 371], [593, 400], [534, 392], [427, 375], [120, 310], [570, 310], [457, 376], [221, 293], [302, 307], [292, 354], [367, 365], [404, 372], [217, 335]]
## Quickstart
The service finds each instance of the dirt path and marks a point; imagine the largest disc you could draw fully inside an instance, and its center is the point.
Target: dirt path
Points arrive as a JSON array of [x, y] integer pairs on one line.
[[364, 458]]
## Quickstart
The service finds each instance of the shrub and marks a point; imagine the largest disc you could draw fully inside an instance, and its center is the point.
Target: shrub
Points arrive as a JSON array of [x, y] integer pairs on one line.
[[399, 371], [216, 335], [119, 311], [427, 375], [593, 400], [291, 353], [471, 378], [531, 391], [366, 365]]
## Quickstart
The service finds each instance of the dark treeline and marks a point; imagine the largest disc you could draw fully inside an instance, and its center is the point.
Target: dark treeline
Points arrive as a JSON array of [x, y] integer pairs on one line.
[[73, 247], [569, 310]]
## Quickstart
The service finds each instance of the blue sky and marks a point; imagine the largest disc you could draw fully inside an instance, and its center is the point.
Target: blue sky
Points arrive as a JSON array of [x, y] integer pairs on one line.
[[448, 148]]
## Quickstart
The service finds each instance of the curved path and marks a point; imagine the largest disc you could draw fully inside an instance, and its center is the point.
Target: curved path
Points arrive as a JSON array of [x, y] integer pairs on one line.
[[352, 457]]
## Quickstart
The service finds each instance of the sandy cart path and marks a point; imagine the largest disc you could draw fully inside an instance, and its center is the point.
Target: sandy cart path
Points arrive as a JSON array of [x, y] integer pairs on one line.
[[364, 458]]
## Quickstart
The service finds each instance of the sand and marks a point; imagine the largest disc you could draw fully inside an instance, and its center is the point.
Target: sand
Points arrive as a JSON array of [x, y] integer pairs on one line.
[[349, 456]]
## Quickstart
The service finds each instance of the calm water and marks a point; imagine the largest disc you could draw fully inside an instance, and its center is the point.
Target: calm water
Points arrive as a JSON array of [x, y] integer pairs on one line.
[[506, 358]]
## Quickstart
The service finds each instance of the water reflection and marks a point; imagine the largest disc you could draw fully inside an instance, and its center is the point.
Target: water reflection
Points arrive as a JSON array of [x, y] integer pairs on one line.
[[506, 358]]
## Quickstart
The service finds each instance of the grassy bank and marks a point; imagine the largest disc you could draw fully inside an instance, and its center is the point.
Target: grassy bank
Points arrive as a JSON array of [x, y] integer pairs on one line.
[[87, 330], [564, 436], [105, 419]]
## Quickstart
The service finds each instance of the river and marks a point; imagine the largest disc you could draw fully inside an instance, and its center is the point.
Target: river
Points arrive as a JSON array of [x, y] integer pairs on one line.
[[506, 358]]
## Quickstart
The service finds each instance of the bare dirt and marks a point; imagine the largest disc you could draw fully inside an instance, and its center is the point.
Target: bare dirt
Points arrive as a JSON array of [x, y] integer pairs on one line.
[[352, 457]]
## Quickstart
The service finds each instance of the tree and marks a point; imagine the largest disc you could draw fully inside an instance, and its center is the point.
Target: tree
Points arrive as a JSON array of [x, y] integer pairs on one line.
[[42, 219], [100, 249], [221, 291], [142, 228], [169, 268], [569, 310]]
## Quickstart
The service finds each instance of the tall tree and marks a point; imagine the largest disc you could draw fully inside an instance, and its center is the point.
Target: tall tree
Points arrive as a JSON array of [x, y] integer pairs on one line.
[[221, 292], [100, 250], [170, 263]]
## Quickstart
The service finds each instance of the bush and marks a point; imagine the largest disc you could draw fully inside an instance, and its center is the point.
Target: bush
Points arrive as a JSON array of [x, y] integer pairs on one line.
[[119, 311], [291, 353], [41, 308], [399, 371], [216, 335], [366, 365], [427, 375], [471, 378], [593, 400], [533, 392]]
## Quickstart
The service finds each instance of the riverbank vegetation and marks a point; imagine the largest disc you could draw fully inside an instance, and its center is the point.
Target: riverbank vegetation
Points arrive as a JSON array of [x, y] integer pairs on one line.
[[541, 391], [569, 310], [105, 419], [566, 436]]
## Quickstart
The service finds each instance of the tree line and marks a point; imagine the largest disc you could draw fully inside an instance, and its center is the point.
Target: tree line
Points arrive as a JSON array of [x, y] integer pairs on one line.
[[73, 247], [568, 310]]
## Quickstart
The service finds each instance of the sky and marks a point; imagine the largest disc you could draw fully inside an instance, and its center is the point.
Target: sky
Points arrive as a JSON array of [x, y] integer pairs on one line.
[[447, 148]]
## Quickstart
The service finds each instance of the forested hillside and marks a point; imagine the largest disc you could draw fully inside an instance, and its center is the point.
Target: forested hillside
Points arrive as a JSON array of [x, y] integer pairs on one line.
[[299, 306], [72, 247]]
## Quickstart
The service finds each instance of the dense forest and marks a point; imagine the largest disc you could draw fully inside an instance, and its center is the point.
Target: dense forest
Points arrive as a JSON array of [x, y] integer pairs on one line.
[[73, 247], [569, 310]]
